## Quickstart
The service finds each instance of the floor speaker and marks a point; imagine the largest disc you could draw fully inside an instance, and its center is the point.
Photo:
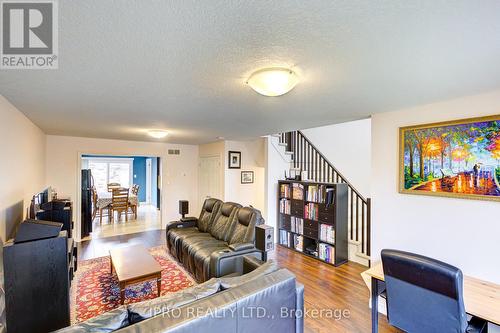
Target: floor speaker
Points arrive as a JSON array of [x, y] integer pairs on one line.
[[264, 239]]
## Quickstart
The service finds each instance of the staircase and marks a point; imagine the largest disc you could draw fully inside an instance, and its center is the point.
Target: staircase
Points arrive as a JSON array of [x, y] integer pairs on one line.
[[305, 157]]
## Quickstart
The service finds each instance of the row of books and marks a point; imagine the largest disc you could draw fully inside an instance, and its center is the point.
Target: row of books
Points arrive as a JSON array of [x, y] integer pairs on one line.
[[311, 211], [285, 238], [290, 240], [285, 191], [285, 206], [297, 191], [297, 225], [327, 233], [326, 252], [320, 194]]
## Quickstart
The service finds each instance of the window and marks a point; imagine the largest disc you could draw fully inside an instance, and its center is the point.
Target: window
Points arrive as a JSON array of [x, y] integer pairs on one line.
[[109, 170]]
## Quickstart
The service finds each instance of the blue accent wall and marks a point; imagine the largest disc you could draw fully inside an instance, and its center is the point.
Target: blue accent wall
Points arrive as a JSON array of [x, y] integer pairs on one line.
[[139, 174]]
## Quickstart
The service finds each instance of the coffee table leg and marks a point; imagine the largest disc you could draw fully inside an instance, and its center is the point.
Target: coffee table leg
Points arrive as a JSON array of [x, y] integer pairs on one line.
[[122, 293], [158, 282], [111, 260]]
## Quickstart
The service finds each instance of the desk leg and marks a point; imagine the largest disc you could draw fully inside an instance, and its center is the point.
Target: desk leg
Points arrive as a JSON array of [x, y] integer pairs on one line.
[[375, 294]]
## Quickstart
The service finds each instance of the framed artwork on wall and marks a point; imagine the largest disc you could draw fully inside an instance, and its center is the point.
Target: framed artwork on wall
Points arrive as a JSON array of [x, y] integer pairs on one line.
[[247, 177], [234, 159], [458, 159]]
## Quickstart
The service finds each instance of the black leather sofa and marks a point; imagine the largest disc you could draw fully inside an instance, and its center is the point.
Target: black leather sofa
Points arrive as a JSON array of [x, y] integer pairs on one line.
[[208, 246], [226, 304]]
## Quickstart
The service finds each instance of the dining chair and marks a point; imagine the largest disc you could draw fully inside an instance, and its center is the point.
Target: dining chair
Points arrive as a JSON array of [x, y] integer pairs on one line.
[[112, 186], [94, 202], [119, 203], [133, 206]]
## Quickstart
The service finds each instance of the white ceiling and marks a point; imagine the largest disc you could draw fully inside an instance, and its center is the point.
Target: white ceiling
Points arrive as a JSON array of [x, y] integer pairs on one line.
[[127, 66]]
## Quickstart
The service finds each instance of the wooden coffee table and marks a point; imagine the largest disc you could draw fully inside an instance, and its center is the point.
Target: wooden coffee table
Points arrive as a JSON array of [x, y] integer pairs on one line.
[[134, 264]]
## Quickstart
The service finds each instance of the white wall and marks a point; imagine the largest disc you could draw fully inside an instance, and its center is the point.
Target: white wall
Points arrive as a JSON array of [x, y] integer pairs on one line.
[[22, 166], [461, 232], [276, 164], [252, 159], [348, 147], [179, 172]]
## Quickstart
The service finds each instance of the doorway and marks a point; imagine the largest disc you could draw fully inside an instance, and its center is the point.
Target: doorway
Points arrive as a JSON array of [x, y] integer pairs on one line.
[[134, 176], [209, 178]]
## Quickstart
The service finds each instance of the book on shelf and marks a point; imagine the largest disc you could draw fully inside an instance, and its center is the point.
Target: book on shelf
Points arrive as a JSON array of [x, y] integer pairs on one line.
[[311, 211], [297, 225], [297, 191], [298, 242], [285, 206], [327, 233], [285, 191], [326, 252]]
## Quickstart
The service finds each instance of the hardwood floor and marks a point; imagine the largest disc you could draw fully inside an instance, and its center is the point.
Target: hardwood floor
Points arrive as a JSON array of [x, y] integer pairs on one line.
[[337, 292]]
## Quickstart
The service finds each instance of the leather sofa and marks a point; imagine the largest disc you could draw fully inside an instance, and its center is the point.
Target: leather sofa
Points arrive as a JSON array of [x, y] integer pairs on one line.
[[209, 245], [264, 298]]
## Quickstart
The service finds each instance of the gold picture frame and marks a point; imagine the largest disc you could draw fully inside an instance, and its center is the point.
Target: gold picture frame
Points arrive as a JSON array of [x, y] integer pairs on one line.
[[457, 159]]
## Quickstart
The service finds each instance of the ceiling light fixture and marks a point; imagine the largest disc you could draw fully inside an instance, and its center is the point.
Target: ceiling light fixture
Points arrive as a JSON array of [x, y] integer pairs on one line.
[[158, 134], [274, 81]]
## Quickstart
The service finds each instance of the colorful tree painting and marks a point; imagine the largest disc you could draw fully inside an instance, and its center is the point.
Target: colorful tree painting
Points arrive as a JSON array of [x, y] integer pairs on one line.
[[459, 158]]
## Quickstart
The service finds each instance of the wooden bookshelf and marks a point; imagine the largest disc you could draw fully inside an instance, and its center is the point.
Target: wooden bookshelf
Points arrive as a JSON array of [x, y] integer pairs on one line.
[[312, 219]]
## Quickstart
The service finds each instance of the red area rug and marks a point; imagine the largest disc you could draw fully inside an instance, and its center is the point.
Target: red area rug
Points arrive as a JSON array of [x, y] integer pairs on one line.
[[95, 290]]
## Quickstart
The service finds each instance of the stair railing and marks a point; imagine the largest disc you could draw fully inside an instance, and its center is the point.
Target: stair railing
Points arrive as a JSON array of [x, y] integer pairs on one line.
[[306, 157]]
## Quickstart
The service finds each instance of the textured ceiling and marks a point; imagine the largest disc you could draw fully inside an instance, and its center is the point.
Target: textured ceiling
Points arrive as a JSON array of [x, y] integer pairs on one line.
[[127, 66]]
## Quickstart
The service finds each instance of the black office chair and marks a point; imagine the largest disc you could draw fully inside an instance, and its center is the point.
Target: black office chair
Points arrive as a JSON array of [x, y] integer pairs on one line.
[[425, 295]]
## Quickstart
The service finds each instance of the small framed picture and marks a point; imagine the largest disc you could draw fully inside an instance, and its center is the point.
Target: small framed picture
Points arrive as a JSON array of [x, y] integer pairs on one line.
[[247, 177], [234, 160]]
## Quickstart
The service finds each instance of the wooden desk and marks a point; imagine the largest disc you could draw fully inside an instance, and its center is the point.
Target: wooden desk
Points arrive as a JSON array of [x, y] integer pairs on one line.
[[481, 298], [134, 264]]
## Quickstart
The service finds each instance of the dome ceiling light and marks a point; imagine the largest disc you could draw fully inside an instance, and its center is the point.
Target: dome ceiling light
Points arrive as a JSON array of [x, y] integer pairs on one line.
[[274, 81], [158, 134]]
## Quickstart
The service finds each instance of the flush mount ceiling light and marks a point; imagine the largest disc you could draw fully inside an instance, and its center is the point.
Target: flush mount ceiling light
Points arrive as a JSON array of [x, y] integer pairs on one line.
[[158, 134], [274, 81]]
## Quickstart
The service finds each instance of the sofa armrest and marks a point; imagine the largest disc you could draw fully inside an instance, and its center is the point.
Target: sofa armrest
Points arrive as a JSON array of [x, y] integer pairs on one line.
[[183, 223], [299, 313], [228, 261], [241, 246]]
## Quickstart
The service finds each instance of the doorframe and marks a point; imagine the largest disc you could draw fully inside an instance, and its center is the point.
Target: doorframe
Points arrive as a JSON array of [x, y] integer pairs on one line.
[[78, 200], [221, 177], [149, 179]]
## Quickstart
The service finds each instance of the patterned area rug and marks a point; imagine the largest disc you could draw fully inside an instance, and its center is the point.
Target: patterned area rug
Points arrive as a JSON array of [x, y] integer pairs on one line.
[[95, 290]]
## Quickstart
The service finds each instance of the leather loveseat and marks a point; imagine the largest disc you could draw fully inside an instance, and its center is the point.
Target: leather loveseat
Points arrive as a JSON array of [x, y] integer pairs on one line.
[[209, 245]]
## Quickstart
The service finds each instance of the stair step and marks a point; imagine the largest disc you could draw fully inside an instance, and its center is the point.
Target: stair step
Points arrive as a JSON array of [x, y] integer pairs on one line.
[[282, 144], [289, 152], [276, 135]]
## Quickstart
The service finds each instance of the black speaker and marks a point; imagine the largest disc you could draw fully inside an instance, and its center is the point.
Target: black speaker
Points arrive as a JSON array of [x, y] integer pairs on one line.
[[183, 207], [264, 239]]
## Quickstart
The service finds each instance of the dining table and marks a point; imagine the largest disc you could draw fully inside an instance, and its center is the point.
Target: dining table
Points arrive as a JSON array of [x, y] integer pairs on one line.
[[104, 199]]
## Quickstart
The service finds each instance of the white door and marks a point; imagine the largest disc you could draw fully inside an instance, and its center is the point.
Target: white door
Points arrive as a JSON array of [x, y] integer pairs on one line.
[[209, 178], [148, 180]]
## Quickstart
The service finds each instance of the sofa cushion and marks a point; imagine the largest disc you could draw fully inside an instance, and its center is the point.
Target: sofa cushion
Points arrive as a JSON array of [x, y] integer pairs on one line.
[[208, 213], [222, 224], [231, 282], [243, 225], [150, 308], [106, 322]]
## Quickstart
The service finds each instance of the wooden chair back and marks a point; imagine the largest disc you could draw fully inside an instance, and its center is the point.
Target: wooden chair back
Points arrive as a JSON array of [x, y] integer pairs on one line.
[[135, 189], [120, 199], [113, 186]]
